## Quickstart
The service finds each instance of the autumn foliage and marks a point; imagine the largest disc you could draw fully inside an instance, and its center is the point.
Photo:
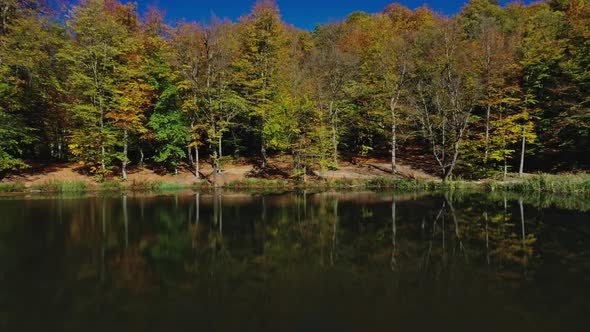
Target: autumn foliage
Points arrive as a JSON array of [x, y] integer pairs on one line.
[[490, 90]]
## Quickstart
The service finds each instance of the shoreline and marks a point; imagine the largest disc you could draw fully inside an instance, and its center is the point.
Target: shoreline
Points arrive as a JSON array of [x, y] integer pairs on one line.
[[542, 183]]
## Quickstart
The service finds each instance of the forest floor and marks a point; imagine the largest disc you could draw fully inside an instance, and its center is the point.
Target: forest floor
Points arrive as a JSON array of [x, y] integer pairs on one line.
[[235, 171]]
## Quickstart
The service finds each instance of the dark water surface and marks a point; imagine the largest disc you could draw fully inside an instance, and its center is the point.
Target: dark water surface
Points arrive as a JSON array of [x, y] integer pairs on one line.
[[295, 262]]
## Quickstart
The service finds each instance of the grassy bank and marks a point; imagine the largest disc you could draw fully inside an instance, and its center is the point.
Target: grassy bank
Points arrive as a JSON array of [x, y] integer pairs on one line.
[[570, 184], [555, 184], [14, 187], [80, 186], [396, 184], [406, 185]]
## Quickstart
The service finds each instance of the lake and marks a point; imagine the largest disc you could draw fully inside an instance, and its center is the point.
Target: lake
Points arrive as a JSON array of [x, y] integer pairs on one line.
[[294, 261]]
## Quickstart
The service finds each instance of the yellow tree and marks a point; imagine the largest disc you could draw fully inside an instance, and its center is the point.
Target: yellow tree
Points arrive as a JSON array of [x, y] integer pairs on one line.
[[98, 50], [133, 93], [262, 43], [397, 27], [186, 52]]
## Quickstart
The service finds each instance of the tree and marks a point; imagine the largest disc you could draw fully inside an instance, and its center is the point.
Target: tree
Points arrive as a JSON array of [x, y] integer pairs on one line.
[[445, 91], [486, 89], [393, 63], [297, 113], [29, 86], [262, 40], [95, 58], [221, 102], [155, 71], [542, 49], [564, 97], [333, 70], [172, 133], [186, 54], [133, 92]]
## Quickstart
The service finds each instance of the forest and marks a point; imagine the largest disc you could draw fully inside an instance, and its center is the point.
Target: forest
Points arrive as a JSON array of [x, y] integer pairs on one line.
[[489, 91]]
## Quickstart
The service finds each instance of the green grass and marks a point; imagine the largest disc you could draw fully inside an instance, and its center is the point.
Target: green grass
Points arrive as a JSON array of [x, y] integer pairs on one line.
[[13, 187], [543, 183], [155, 186], [257, 183], [61, 186], [342, 183], [556, 184], [395, 183], [111, 186], [411, 185], [143, 185], [454, 185], [170, 186]]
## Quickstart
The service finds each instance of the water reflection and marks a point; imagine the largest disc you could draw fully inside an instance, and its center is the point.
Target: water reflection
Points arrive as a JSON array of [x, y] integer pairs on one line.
[[276, 261]]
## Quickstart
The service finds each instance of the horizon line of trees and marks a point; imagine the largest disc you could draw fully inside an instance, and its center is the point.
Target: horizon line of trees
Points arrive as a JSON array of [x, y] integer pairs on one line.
[[482, 91]]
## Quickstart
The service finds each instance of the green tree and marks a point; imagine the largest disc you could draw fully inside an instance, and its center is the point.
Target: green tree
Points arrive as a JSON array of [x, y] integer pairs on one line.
[[173, 135], [333, 71], [262, 42], [96, 58], [29, 86]]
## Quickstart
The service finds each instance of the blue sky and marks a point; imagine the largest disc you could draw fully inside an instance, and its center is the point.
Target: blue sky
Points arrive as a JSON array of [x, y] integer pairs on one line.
[[303, 14]]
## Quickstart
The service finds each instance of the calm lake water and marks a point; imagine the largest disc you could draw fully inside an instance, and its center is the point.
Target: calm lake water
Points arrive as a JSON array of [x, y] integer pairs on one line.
[[350, 261]]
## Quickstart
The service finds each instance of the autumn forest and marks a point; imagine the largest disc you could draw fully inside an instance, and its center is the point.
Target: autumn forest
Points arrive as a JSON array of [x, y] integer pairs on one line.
[[491, 90]]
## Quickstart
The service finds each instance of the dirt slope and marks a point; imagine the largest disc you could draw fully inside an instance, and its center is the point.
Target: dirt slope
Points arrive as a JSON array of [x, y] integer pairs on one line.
[[238, 171]]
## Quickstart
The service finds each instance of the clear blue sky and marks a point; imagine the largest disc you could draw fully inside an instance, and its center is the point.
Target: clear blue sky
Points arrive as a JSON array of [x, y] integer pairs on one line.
[[303, 14]]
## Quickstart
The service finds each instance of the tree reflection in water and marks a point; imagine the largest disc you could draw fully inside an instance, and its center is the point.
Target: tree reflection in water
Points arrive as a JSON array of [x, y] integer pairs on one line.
[[284, 257]]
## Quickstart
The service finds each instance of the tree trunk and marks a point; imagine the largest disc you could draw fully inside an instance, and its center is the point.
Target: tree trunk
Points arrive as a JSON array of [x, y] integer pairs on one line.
[[505, 168], [333, 115], [125, 153], [448, 172], [304, 174], [5, 17], [60, 140], [219, 148], [101, 120], [102, 148], [263, 153], [522, 152], [487, 144], [141, 157], [103, 165], [197, 170], [215, 169], [393, 137]]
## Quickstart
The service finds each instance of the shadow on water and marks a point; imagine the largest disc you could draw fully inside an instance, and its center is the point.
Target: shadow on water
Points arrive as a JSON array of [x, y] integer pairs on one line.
[[305, 261]]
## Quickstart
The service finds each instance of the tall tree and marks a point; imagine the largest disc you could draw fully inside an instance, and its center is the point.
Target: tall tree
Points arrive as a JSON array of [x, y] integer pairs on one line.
[[222, 104], [95, 57], [398, 28], [29, 84], [262, 36], [446, 91], [133, 91], [188, 57], [333, 70]]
